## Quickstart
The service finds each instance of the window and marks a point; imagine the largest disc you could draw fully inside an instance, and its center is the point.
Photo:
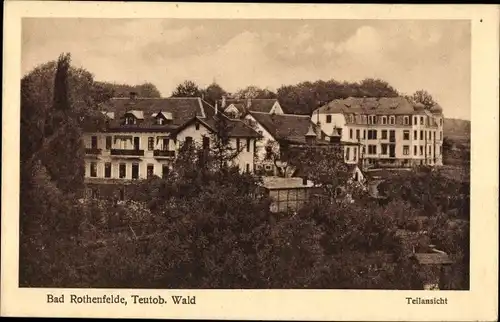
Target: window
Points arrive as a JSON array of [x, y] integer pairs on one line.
[[164, 171], [421, 135], [434, 135], [197, 126], [392, 120], [406, 120], [406, 135], [347, 153], [206, 142], [238, 144], [384, 148], [372, 119], [248, 144], [135, 171], [166, 144], [93, 169], [123, 170], [364, 134], [421, 120], [357, 134], [355, 154], [150, 170], [129, 120], [440, 135], [189, 140], [94, 142], [384, 119], [384, 134], [372, 149], [350, 133], [415, 120], [363, 149], [159, 120], [107, 170], [372, 134], [108, 142], [414, 150], [421, 150], [151, 143], [415, 135], [406, 149], [328, 119], [248, 167]]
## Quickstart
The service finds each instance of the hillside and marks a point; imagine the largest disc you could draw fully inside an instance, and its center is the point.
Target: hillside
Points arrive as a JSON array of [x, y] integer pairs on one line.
[[456, 148], [457, 129]]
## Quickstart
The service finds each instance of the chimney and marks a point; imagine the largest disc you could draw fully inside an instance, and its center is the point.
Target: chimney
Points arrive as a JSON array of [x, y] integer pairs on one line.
[[249, 102], [133, 95], [223, 105]]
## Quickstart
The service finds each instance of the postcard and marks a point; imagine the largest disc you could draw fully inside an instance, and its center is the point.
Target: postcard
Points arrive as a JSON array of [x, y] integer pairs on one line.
[[250, 161]]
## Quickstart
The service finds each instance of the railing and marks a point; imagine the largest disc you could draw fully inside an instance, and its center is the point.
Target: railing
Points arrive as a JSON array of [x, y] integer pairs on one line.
[[127, 152], [163, 153], [92, 151]]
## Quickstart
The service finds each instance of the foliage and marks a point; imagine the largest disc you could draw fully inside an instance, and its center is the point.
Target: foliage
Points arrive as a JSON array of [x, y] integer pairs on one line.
[[423, 97], [107, 90], [187, 89], [254, 92], [213, 92], [305, 97]]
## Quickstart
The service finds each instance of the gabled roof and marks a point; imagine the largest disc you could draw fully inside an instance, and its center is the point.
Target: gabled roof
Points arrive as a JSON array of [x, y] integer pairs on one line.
[[288, 127], [370, 105], [237, 127], [182, 109], [264, 105]]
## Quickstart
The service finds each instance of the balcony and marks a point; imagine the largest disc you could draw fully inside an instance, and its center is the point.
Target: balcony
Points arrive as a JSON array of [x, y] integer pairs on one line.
[[127, 152], [92, 151], [164, 153]]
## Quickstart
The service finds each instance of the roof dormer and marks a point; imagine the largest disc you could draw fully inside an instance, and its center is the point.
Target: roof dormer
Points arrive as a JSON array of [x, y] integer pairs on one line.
[[162, 118], [133, 116]]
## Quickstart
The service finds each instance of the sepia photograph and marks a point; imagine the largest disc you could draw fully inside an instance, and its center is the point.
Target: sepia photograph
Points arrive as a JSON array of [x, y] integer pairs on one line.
[[172, 153], [242, 154]]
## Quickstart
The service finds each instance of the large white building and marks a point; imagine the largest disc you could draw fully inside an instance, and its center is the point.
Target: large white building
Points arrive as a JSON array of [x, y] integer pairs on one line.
[[142, 137], [391, 131]]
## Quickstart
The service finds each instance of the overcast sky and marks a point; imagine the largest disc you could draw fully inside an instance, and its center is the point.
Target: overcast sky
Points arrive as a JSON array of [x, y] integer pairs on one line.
[[410, 55]]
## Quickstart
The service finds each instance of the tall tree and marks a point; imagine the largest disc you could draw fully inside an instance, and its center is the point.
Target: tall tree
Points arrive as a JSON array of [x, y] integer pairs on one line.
[[424, 97], [254, 92], [187, 89], [213, 92]]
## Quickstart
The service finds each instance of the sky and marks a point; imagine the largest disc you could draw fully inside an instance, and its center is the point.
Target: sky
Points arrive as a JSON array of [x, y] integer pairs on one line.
[[434, 55]]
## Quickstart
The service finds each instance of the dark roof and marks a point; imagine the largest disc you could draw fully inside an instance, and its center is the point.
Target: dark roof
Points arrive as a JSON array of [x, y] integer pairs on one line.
[[290, 127], [432, 258], [238, 127], [182, 110], [256, 104], [370, 105]]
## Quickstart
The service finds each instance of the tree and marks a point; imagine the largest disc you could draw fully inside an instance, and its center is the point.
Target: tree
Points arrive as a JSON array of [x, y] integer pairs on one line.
[[423, 97], [254, 92], [376, 88], [325, 166], [187, 89], [222, 151], [213, 93]]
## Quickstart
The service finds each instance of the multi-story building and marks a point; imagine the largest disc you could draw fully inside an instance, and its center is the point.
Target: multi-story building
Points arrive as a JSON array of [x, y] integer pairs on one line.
[[142, 137], [240, 107], [391, 130]]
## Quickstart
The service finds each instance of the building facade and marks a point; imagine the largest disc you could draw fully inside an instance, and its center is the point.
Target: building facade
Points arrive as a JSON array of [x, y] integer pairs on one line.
[[142, 137], [391, 131]]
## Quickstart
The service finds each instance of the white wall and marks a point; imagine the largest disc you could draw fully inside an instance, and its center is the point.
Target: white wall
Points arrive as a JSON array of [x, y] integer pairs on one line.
[[266, 138], [338, 121]]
